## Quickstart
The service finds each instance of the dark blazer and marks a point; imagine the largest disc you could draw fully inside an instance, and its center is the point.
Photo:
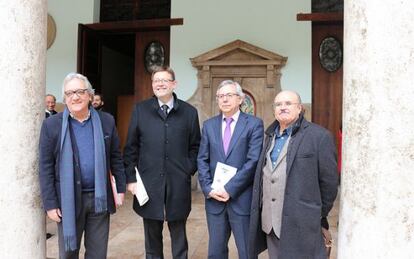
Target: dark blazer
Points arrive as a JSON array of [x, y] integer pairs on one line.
[[49, 155], [165, 153], [311, 188], [47, 115], [243, 153]]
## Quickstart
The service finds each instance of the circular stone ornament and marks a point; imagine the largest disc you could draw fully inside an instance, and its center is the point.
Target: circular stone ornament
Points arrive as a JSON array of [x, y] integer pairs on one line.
[[154, 56], [51, 31], [330, 54]]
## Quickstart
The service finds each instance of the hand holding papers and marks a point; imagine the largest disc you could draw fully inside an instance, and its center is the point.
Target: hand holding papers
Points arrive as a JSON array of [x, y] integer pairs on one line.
[[117, 197], [222, 175], [140, 191]]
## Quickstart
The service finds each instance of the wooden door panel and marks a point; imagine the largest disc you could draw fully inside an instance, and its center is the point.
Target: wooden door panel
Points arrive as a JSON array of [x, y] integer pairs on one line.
[[143, 86], [326, 86]]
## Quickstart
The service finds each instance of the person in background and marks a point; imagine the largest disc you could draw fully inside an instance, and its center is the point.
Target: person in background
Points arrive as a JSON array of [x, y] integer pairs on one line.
[[50, 103], [98, 102]]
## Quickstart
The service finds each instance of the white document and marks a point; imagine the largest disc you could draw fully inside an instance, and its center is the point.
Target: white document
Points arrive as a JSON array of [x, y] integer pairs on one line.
[[222, 175], [140, 191]]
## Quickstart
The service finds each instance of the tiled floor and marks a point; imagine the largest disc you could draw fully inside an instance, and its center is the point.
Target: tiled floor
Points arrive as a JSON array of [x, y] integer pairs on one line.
[[126, 239]]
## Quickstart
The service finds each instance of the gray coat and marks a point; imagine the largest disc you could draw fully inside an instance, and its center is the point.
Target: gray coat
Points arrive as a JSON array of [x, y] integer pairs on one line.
[[311, 188]]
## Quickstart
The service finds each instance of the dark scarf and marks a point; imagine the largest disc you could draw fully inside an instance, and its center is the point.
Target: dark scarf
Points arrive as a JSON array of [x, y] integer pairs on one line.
[[67, 185]]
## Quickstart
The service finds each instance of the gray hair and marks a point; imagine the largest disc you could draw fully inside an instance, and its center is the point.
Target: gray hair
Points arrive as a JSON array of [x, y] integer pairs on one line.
[[239, 90], [51, 95], [81, 77]]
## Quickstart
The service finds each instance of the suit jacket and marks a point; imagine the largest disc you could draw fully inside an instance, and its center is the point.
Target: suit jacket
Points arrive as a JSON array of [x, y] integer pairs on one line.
[[165, 151], [47, 115], [49, 156], [243, 153], [311, 188]]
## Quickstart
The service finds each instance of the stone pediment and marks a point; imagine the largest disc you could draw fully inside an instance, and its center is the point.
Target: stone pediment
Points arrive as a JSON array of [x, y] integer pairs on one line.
[[238, 52], [257, 70]]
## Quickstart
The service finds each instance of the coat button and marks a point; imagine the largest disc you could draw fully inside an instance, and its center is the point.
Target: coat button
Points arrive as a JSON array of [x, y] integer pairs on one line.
[[78, 182], [166, 124], [273, 181], [273, 199]]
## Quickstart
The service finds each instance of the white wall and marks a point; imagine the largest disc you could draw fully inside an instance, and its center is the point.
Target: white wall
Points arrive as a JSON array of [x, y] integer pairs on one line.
[[61, 56], [269, 24]]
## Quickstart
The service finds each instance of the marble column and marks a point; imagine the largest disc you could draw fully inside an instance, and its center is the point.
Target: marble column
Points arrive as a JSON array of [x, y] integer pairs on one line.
[[377, 193], [22, 83]]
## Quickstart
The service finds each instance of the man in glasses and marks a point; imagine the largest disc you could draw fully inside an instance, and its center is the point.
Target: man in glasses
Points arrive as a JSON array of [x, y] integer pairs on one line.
[[78, 149], [50, 103], [295, 185], [229, 150], [162, 143]]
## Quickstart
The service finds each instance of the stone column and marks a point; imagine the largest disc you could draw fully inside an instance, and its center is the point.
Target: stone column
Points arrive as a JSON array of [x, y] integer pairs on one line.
[[22, 83], [377, 197]]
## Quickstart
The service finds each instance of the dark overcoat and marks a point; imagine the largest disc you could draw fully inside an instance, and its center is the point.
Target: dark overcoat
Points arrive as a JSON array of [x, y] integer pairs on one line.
[[311, 188], [165, 152], [49, 156]]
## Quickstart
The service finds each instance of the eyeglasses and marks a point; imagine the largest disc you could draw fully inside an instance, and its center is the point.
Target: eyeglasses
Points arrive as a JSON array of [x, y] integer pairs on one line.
[[228, 95], [279, 105], [164, 81], [78, 92]]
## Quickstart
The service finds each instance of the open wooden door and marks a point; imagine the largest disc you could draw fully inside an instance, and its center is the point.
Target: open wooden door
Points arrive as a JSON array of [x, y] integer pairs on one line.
[[89, 55], [100, 44]]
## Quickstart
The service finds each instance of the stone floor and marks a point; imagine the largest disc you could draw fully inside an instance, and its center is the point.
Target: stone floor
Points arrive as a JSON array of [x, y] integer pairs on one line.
[[126, 239]]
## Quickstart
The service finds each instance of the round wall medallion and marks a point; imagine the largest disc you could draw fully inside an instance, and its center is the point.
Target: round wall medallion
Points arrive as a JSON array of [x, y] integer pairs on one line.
[[330, 54], [154, 56], [249, 104], [51, 30]]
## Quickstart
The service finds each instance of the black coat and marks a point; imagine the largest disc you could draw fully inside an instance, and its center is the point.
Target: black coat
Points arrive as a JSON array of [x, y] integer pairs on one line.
[[311, 188], [165, 153], [49, 155], [47, 114]]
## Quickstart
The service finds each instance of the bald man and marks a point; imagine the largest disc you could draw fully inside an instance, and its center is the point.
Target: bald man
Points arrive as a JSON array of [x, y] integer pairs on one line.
[[295, 185]]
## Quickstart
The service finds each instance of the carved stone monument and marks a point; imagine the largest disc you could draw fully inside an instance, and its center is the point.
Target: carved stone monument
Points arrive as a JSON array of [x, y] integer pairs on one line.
[[258, 71]]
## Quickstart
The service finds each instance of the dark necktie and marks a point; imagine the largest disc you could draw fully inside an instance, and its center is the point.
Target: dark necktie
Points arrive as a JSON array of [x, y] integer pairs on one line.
[[164, 108]]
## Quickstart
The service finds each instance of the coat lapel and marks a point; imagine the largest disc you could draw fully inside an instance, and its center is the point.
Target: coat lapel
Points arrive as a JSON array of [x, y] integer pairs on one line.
[[293, 149], [218, 134], [238, 130]]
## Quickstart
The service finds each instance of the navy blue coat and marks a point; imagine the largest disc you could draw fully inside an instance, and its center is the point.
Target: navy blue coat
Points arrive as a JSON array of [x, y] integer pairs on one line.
[[165, 151], [311, 188], [243, 153], [49, 153]]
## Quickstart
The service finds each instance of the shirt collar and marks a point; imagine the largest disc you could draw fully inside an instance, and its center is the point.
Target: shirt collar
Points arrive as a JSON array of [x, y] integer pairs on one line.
[[287, 131], [170, 103], [87, 117], [235, 116]]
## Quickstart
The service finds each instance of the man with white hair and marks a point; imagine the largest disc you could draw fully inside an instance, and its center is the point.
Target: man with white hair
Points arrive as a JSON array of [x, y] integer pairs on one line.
[[78, 149]]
